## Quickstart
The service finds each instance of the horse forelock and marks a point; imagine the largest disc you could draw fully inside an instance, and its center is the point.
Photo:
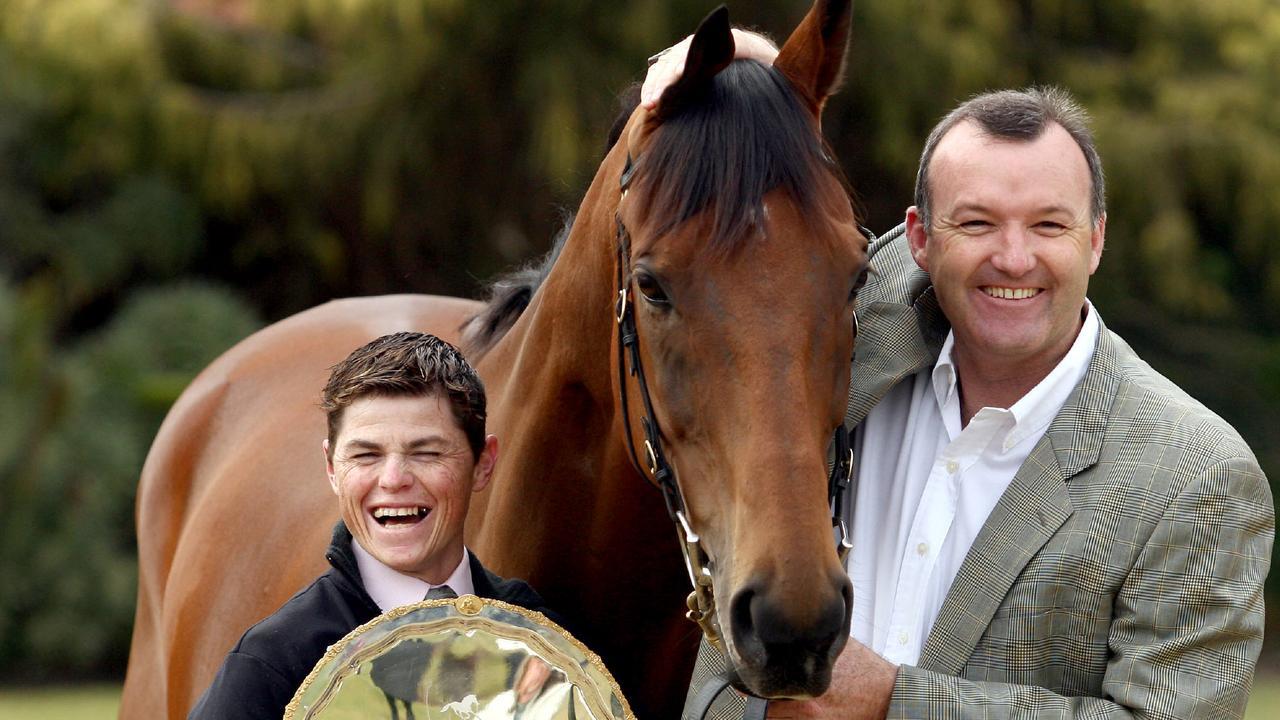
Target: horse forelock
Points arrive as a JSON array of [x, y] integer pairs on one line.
[[748, 134]]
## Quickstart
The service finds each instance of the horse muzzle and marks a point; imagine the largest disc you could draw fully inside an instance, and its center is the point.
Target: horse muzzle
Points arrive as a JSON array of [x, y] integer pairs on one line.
[[779, 651]]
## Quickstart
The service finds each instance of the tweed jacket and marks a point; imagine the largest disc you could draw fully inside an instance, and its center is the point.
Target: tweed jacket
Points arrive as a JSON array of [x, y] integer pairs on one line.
[[1120, 575]]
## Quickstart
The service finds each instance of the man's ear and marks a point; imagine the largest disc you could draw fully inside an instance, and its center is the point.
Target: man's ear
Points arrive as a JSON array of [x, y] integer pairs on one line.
[[485, 464], [1096, 241], [328, 466], [918, 237]]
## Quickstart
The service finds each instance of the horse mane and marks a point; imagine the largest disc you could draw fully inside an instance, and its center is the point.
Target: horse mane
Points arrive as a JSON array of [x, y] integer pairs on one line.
[[509, 295], [748, 133]]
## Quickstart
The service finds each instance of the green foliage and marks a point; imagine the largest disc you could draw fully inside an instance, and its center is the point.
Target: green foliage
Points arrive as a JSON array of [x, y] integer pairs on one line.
[[1183, 98], [66, 520], [297, 150]]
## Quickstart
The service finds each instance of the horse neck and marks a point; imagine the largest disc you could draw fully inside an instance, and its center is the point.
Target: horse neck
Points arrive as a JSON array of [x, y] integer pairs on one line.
[[550, 378], [565, 335]]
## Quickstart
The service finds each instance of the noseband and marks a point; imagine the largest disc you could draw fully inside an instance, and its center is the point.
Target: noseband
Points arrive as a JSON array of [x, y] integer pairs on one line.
[[701, 601]]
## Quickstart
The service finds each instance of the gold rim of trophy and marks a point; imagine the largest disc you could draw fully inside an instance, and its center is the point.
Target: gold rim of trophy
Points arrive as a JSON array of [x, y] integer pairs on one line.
[[468, 608]]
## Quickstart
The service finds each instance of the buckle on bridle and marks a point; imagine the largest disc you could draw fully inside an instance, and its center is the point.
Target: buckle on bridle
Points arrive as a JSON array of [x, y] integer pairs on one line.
[[620, 311], [701, 601]]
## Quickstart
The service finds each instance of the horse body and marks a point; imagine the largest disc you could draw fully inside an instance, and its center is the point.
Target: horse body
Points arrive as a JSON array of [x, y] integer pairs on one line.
[[747, 342]]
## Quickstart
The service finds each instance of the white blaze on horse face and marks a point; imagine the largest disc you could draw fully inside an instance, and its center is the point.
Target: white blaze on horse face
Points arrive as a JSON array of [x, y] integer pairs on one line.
[[404, 472]]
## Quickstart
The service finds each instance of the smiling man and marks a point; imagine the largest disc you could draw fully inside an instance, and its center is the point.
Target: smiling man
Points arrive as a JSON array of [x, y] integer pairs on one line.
[[1042, 524], [406, 448]]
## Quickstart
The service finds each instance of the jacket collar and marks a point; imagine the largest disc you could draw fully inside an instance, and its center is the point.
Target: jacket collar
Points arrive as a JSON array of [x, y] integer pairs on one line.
[[346, 570]]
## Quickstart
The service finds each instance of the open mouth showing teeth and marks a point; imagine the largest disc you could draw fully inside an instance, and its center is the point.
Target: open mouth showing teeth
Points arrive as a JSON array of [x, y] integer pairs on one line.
[[1011, 293], [386, 516]]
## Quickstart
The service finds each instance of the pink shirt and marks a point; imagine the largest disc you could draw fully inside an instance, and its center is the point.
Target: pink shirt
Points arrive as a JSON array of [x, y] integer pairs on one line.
[[391, 589]]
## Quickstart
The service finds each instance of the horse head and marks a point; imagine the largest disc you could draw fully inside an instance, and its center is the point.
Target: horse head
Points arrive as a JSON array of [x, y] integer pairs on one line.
[[739, 257]]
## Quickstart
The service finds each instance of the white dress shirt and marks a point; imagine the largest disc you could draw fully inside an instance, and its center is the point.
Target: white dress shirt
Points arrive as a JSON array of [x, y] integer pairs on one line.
[[926, 486], [391, 589]]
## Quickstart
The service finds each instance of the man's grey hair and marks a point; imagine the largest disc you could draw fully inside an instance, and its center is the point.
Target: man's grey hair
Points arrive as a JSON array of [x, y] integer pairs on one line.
[[1018, 115]]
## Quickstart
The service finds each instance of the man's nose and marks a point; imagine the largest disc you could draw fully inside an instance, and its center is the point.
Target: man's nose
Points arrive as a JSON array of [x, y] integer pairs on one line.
[[395, 473], [1014, 256]]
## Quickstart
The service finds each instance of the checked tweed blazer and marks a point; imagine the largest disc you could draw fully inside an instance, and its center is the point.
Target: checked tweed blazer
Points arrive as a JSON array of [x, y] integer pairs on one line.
[[1121, 573]]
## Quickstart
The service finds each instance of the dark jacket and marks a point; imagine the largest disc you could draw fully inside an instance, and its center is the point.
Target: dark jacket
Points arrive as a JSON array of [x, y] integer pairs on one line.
[[269, 663]]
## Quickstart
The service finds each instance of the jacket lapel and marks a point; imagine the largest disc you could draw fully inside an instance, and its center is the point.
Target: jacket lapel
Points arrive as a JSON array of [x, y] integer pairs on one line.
[[1030, 511], [1035, 505], [900, 326], [899, 350]]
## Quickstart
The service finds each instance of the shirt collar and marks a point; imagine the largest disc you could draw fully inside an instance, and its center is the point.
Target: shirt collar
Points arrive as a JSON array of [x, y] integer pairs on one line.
[[1034, 411], [391, 589]]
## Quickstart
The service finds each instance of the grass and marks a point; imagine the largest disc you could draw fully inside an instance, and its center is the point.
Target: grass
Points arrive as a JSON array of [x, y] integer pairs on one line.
[[93, 702], [89, 702]]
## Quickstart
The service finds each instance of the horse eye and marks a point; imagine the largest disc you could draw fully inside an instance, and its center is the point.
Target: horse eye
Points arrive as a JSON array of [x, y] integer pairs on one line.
[[650, 289], [858, 282]]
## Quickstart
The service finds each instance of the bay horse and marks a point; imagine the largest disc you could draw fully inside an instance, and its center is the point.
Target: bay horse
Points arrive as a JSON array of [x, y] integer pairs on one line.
[[737, 254]]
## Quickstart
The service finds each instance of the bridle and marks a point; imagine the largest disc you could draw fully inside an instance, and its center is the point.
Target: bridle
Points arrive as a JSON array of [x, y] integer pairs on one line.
[[701, 601]]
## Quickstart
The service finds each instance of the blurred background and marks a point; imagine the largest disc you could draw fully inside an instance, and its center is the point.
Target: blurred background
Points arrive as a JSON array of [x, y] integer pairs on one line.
[[175, 174]]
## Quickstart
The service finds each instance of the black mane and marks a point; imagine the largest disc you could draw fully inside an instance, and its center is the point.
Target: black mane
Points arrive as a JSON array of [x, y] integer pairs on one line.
[[510, 294], [748, 134]]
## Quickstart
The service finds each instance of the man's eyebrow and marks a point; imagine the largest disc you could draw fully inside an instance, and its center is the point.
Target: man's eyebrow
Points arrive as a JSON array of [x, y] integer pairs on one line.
[[980, 208], [418, 442]]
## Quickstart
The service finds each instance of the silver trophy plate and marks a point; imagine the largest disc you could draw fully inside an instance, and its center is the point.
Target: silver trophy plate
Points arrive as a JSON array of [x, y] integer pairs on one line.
[[467, 658]]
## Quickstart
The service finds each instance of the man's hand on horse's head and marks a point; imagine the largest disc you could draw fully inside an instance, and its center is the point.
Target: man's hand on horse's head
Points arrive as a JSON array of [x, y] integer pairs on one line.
[[666, 67]]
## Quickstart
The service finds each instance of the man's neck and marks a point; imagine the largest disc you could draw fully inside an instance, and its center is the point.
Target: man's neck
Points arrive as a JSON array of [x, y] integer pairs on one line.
[[995, 384]]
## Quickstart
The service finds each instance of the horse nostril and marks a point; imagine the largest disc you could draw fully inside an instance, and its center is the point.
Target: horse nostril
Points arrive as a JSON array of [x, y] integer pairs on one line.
[[779, 654], [742, 623]]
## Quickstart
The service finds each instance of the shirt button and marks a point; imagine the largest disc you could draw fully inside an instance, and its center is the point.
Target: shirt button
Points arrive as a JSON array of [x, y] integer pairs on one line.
[[902, 638], [922, 548], [952, 467]]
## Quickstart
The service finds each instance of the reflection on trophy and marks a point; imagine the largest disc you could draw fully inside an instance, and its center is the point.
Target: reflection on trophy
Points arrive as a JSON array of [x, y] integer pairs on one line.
[[459, 659]]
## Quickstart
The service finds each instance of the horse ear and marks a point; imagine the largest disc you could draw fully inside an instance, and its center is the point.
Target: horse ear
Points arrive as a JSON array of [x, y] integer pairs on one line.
[[813, 57], [710, 52]]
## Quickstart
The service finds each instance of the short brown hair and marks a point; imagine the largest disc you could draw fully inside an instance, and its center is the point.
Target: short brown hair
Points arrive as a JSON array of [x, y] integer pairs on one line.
[[408, 364], [1018, 115]]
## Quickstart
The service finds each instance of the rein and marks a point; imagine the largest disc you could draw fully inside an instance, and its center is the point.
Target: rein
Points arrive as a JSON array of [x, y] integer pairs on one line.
[[701, 601]]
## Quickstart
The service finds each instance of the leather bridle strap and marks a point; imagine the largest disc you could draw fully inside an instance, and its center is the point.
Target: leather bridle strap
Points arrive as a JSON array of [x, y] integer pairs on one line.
[[698, 705], [701, 600]]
